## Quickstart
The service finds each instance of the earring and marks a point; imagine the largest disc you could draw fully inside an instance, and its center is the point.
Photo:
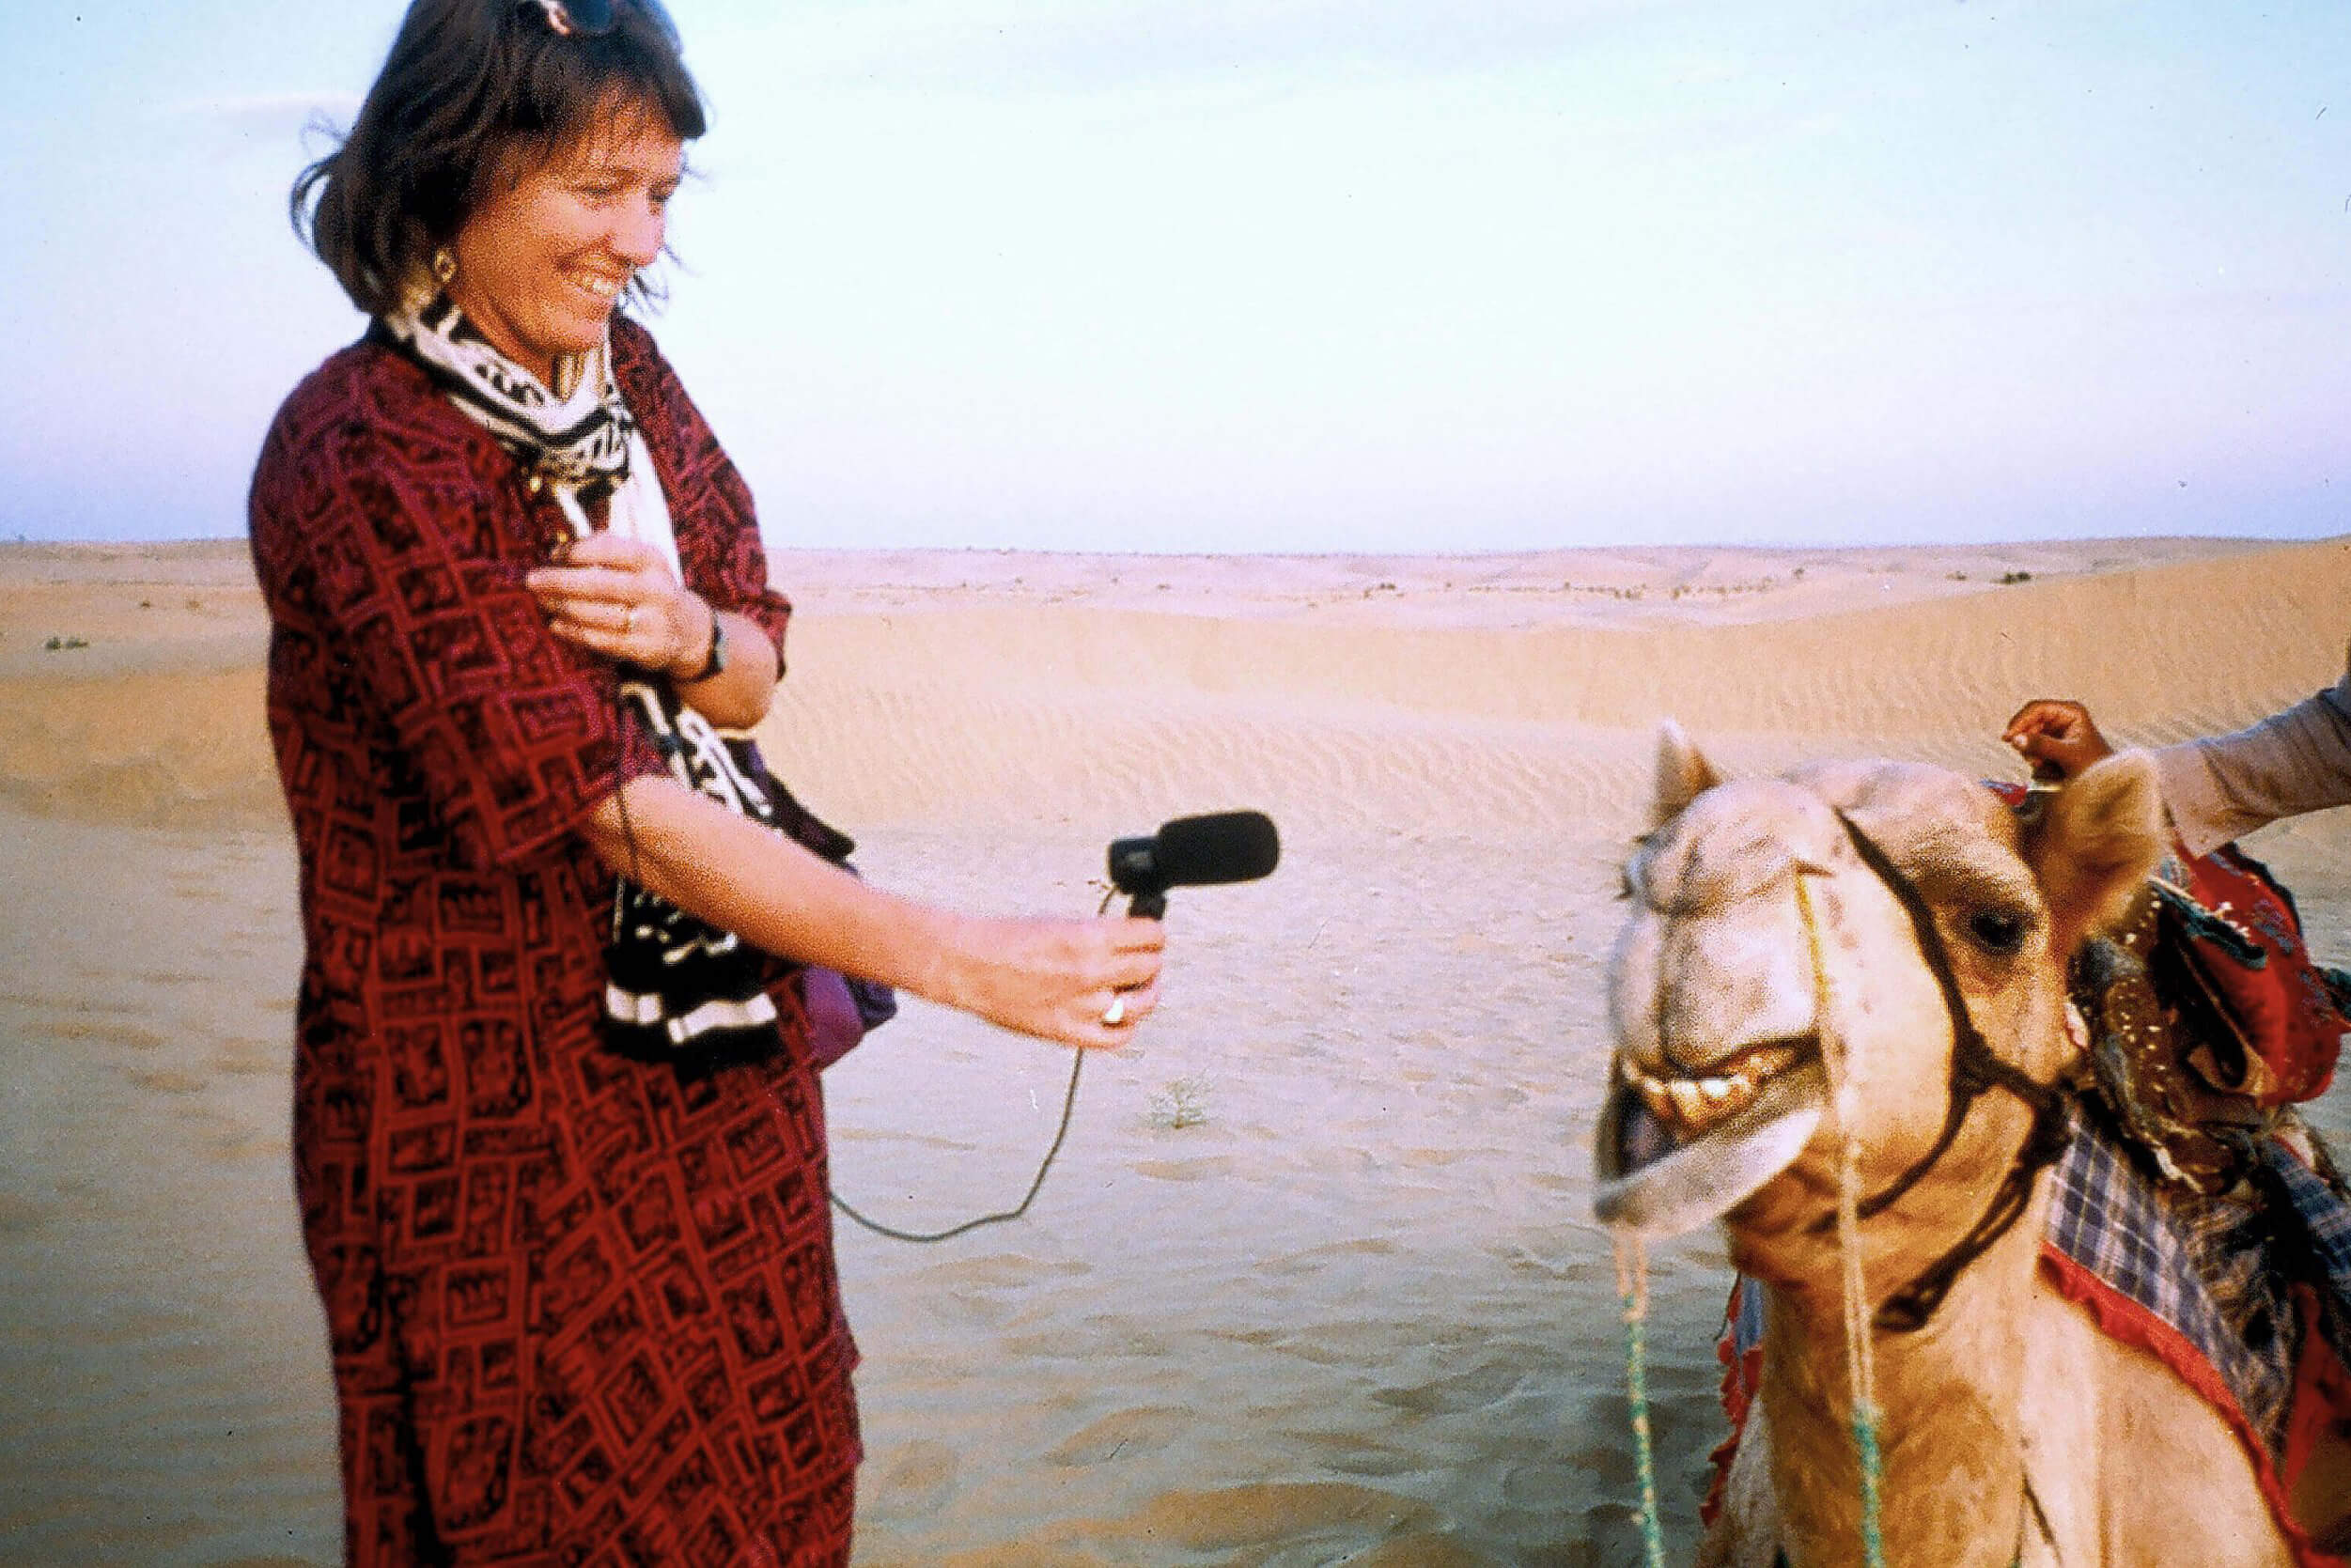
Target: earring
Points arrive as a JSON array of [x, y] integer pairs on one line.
[[444, 266]]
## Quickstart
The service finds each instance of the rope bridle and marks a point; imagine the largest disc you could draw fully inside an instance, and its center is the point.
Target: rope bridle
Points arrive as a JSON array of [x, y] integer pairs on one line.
[[1974, 1069]]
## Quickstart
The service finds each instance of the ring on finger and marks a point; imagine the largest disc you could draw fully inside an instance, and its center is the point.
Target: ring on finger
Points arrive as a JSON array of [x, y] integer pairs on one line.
[[1116, 1014]]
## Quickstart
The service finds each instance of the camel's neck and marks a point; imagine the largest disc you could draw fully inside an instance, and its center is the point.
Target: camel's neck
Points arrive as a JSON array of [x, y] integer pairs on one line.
[[1953, 1479]]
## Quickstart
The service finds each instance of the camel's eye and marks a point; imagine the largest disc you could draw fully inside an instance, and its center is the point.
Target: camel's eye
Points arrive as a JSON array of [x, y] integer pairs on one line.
[[1997, 931]]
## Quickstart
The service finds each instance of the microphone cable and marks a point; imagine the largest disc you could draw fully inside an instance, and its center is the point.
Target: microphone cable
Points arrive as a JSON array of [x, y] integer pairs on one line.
[[1061, 1134]]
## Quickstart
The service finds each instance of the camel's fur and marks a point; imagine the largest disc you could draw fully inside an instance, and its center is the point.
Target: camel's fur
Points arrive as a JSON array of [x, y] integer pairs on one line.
[[2008, 1381]]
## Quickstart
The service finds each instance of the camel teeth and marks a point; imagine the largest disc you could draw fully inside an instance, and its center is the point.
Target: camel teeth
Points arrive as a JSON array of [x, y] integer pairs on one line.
[[1695, 1104], [1765, 1061]]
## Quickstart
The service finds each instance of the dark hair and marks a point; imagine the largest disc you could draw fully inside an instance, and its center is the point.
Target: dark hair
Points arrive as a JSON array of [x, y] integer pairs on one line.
[[473, 91]]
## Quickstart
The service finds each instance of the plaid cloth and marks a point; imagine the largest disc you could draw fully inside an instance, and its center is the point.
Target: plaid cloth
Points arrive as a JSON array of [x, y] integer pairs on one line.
[[2323, 1215], [2205, 1268]]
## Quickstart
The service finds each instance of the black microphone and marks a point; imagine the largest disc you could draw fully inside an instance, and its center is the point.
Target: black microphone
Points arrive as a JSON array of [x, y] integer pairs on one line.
[[1193, 851]]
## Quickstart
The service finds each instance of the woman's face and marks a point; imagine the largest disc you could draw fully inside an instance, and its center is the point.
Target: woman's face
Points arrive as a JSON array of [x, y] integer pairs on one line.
[[542, 261]]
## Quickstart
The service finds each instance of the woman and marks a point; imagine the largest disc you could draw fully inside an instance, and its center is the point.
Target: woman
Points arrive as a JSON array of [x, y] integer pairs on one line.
[[578, 1275]]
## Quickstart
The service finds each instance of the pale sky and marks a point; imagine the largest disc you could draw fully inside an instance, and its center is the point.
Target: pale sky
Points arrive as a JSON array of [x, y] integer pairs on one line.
[[1308, 275]]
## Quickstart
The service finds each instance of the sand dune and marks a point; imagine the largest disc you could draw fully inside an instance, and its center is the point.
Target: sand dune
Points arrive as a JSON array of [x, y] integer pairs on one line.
[[1315, 1279], [1050, 685], [894, 713]]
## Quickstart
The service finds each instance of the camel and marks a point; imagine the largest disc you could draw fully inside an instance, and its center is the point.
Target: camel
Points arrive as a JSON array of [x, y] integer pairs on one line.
[[1752, 1019]]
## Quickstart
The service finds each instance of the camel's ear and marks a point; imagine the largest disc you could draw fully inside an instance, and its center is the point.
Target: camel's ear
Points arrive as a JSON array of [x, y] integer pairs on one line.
[[1683, 774], [2092, 845]]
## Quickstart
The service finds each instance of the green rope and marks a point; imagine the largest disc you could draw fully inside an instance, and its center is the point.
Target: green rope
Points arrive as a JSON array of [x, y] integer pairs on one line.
[[1873, 1475], [1636, 1395]]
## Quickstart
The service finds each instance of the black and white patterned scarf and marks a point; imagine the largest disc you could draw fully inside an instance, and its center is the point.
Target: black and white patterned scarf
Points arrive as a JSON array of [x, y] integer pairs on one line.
[[577, 435], [673, 982]]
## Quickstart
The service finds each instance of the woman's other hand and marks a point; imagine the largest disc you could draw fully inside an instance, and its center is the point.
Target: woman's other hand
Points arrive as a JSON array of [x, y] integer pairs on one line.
[[1081, 982], [618, 597], [615, 596], [2056, 736]]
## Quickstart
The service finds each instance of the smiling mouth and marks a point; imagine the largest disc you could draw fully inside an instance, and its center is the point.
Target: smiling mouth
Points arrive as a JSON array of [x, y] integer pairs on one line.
[[602, 287], [1675, 1152]]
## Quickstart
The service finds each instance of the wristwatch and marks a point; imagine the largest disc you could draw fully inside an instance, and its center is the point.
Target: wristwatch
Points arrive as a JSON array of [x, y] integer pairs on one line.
[[713, 663]]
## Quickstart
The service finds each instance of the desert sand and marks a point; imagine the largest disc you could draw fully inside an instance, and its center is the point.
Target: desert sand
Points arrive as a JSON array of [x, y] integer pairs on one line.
[[1315, 1280]]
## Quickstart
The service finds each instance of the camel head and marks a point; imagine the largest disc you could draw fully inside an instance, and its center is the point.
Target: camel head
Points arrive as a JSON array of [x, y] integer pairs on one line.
[[1734, 995]]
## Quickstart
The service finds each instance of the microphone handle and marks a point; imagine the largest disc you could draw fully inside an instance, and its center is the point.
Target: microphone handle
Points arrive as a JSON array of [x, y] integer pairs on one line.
[[1148, 905]]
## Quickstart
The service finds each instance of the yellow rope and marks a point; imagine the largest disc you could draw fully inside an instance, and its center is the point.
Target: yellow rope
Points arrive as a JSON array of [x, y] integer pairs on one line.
[[1860, 1365]]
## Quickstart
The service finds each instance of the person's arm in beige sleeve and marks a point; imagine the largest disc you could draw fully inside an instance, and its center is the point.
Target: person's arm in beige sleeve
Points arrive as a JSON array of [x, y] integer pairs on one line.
[[2223, 786], [2218, 787]]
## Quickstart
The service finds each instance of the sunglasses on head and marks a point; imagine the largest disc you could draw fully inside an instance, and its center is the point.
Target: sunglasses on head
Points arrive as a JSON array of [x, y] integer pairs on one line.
[[577, 18]]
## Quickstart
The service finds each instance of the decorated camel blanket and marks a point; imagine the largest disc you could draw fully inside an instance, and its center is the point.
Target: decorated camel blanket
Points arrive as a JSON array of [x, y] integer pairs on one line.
[[2242, 1297]]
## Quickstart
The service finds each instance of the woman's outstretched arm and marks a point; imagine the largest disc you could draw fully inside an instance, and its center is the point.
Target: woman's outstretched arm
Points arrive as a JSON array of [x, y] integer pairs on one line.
[[1051, 978]]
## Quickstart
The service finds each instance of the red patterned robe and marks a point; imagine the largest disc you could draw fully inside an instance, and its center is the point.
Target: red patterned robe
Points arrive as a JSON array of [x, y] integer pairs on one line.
[[583, 1308]]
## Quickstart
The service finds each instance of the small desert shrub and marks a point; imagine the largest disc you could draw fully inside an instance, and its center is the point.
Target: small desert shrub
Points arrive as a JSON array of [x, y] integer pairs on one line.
[[1184, 1103]]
